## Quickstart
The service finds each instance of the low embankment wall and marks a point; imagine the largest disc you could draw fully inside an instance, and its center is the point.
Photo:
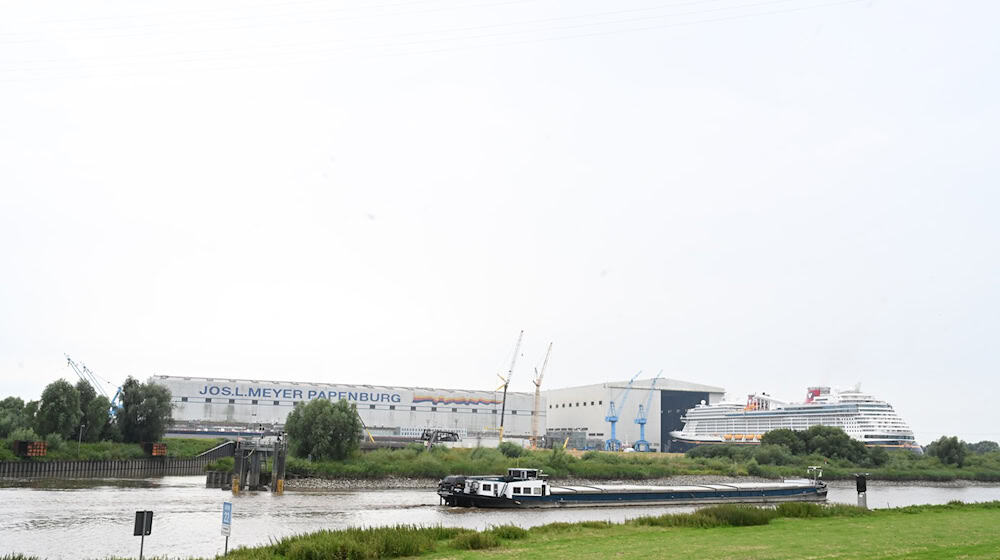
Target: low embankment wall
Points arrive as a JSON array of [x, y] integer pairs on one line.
[[129, 468], [137, 468]]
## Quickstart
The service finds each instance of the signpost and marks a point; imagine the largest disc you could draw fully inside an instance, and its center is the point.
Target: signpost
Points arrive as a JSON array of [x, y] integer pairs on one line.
[[227, 522], [143, 527]]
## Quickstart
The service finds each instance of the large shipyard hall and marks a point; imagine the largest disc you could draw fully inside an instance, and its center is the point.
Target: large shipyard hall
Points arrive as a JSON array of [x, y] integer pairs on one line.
[[644, 410]]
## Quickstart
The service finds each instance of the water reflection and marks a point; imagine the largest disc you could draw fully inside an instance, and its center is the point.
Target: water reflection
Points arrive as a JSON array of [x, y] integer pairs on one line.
[[93, 518]]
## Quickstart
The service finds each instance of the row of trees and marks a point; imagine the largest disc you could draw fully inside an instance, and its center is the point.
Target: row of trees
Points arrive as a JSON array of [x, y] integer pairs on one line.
[[78, 412], [779, 447], [953, 451]]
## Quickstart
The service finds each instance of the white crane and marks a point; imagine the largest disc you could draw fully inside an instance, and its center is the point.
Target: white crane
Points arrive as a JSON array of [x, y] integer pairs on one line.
[[506, 381], [538, 398], [89, 377]]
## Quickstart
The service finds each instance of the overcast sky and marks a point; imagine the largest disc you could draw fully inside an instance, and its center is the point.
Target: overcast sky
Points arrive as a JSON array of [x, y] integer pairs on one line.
[[759, 195]]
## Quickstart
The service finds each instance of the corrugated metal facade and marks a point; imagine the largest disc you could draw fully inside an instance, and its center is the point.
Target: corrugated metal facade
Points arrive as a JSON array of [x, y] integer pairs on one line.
[[584, 409], [405, 411]]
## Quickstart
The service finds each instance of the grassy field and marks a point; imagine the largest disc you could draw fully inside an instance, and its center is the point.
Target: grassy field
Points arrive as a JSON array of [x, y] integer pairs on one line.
[[795, 531], [108, 451]]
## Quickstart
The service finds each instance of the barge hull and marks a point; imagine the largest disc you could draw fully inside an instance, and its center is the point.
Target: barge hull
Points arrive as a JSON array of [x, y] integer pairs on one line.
[[558, 500]]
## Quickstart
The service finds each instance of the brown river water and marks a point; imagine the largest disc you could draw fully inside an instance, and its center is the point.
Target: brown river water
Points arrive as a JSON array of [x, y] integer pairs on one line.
[[94, 519]]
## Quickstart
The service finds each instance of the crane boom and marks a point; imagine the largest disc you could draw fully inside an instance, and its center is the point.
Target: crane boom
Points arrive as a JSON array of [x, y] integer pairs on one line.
[[612, 443], [506, 381], [641, 444], [538, 398], [89, 377]]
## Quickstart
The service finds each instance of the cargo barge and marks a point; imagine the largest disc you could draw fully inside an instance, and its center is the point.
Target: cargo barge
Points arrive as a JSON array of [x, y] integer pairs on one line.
[[529, 488]]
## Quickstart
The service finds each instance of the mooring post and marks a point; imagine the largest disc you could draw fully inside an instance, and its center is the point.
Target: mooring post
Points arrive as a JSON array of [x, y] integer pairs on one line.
[[861, 482]]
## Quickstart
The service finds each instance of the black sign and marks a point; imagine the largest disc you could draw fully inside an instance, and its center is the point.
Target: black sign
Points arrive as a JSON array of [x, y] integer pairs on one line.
[[143, 523], [861, 480]]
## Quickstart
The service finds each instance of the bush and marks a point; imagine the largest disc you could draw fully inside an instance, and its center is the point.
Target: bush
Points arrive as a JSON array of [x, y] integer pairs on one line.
[[378, 542], [475, 540], [24, 434], [596, 524], [510, 532], [948, 450], [54, 442], [731, 452], [224, 464], [739, 515], [773, 455], [511, 449]]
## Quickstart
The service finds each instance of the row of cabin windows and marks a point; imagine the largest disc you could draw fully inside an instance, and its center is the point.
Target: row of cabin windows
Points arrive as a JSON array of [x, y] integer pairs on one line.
[[527, 491], [371, 406], [571, 405]]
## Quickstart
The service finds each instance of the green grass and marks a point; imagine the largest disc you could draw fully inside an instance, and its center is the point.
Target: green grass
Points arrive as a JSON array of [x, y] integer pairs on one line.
[[109, 451], [925, 533]]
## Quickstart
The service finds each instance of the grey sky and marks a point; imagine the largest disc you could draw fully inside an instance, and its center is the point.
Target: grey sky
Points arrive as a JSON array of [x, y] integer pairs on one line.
[[756, 195]]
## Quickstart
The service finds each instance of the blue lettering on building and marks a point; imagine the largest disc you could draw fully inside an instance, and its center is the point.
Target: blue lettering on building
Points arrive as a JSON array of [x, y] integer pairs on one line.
[[290, 394]]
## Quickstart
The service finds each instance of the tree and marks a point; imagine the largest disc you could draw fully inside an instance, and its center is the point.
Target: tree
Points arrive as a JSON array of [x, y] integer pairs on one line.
[[145, 411], [96, 419], [59, 411], [323, 430], [834, 443], [783, 436], [984, 447], [30, 413], [11, 416], [87, 395], [949, 450]]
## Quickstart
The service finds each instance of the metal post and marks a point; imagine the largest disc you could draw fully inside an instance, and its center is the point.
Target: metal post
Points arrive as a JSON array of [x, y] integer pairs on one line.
[[142, 541], [226, 553], [83, 427]]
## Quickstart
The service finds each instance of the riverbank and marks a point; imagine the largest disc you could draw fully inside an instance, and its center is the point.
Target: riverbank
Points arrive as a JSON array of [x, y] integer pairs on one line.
[[395, 482], [790, 531], [180, 448], [417, 463]]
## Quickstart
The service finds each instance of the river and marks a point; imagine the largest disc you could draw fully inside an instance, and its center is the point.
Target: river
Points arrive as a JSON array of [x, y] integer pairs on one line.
[[93, 519]]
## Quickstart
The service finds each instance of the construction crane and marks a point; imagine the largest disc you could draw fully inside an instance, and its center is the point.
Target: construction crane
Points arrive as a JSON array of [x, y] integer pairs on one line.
[[506, 382], [612, 444], [89, 377], [538, 398], [641, 444]]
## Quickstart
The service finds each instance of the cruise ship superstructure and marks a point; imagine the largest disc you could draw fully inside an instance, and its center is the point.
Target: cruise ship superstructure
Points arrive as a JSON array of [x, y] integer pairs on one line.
[[865, 418]]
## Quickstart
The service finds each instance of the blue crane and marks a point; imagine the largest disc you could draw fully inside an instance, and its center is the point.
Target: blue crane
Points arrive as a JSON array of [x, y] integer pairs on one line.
[[612, 444], [641, 444], [89, 377]]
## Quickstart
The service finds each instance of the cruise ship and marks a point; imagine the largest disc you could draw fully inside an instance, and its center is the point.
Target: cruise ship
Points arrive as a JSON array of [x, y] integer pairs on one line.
[[865, 418]]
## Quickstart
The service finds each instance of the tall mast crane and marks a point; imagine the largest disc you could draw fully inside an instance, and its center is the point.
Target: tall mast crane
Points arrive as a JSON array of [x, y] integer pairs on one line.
[[612, 444], [538, 398], [506, 381], [641, 444], [89, 377]]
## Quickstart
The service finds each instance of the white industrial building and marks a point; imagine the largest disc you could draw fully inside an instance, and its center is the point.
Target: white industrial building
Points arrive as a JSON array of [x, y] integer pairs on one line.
[[579, 413], [386, 411]]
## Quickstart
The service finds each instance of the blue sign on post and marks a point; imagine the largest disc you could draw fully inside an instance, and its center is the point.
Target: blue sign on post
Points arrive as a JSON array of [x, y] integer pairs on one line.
[[227, 518]]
